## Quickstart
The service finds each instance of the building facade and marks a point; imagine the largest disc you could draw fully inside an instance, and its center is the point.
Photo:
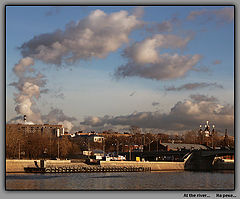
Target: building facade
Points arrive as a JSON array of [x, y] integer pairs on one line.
[[25, 129]]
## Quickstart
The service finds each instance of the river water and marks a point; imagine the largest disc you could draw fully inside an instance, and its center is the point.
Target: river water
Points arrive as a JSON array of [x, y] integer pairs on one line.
[[177, 180]]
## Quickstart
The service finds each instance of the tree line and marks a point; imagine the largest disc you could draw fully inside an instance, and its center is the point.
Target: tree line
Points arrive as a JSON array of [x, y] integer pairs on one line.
[[40, 145]]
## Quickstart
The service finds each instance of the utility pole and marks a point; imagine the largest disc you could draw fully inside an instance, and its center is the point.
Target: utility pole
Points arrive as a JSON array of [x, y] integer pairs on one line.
[[213, 132], [129, 146], [130, 158], [117, 146], [19, 150], [103, 141], [58, 148], [88, 147], [50, 145]]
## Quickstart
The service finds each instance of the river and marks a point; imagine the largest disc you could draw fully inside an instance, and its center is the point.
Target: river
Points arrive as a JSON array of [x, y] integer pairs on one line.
[[177, 180]]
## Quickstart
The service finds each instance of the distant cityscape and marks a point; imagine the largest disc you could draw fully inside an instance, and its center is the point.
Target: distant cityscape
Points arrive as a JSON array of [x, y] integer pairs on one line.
[[51, 141]]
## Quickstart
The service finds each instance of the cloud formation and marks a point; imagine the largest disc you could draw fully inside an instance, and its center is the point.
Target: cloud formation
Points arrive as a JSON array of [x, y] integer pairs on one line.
[[199, 98], [57, 116], [165, 26], [144, 59], [223, 15], [193, 86], [93, 37], [184, 115]]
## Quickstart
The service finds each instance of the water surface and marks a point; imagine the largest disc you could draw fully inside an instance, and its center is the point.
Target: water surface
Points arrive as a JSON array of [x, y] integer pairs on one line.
[[181, 180]]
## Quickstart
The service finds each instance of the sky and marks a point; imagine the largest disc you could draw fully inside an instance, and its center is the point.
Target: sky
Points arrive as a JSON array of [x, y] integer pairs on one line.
[[166, 69]]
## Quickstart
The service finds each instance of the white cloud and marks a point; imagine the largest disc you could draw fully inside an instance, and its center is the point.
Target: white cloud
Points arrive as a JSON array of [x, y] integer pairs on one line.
[[144, 59], [93, 37]]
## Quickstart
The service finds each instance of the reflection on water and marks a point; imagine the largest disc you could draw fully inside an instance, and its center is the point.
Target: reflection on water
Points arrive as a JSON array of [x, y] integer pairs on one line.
[[184, 180]]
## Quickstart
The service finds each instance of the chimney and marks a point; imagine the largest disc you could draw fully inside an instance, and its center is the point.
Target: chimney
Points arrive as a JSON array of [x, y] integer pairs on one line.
[[25, 118]]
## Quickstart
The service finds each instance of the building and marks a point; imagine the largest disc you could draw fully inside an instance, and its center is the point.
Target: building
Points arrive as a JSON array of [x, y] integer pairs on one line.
[[98, 139], [25, 129], [180, 146], [91, 136]]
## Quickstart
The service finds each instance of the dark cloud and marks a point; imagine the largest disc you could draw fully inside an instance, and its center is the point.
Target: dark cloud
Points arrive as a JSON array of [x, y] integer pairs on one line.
[[184, 115], [165, 26], [203, 69], [56, 115], [223, 15], [193, 86], [199, 98]]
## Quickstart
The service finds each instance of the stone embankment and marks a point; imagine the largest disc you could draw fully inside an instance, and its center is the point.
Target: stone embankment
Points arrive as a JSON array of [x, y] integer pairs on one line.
[[155, 166], [17, 166]]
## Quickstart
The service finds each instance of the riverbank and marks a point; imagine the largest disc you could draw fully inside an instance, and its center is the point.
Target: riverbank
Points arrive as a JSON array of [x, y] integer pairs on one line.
[[155, 166], [17, 166]]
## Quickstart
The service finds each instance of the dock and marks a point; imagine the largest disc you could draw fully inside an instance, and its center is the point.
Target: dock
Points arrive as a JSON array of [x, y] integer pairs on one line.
[[87, 169]]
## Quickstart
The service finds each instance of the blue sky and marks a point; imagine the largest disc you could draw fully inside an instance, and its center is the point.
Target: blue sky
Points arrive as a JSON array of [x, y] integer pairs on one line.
[[156, 65]]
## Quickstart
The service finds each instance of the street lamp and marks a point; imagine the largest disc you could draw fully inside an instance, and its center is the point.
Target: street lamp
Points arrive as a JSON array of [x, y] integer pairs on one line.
[[149, 144], [129, 148], [117, 146], [19, 150], [213, 132]]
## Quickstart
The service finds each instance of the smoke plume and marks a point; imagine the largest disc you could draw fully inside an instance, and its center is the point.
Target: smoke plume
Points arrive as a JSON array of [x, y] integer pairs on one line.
[[95, 36]]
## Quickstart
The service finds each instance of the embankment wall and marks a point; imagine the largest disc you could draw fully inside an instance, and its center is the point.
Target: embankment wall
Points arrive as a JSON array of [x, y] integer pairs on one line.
[[155, 166], [17, 166]]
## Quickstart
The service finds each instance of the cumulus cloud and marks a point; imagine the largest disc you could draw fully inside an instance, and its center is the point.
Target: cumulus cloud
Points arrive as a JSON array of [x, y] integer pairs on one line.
[[223, 15], [184, 115], [193, 86], [93, 37], [144, 59]]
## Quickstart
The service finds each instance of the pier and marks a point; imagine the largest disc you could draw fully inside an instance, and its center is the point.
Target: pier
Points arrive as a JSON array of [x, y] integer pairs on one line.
[[87, 169]]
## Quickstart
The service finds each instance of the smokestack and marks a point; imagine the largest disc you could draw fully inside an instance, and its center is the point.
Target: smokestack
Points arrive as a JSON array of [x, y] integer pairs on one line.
[[25, 119]]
